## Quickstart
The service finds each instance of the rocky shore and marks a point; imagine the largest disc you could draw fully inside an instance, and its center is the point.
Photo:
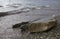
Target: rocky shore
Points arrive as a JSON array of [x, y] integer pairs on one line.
[[6, 23]]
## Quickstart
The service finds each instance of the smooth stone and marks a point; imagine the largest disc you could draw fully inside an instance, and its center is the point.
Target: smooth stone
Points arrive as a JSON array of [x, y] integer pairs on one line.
[[42, 25], [37, 26]]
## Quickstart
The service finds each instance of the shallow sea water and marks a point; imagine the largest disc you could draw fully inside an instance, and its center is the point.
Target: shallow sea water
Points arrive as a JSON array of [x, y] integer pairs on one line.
[[31, 10]]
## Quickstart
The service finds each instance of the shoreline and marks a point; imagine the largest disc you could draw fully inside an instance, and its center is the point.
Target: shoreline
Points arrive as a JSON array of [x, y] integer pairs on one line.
[[6, 22]]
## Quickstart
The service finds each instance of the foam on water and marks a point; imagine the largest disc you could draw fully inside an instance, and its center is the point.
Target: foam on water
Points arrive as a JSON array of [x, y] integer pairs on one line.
[[15, 8]]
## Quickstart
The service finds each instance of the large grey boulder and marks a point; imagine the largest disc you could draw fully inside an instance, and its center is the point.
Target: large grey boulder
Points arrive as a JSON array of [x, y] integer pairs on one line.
[[42, 25]]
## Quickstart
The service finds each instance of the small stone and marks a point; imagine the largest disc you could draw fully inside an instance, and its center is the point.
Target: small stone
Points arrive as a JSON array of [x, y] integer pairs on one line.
[[42, 25]]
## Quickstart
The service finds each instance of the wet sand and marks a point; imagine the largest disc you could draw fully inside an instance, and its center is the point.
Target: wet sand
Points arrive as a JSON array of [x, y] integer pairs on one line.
[[6, 23]]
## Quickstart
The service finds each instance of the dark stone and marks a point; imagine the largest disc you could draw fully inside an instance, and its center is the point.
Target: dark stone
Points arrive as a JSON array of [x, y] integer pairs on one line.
[[24, 27], [1, 6], [20, 25]]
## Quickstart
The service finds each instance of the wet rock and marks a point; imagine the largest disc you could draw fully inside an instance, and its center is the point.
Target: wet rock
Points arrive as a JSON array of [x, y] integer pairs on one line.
[[19, 25], [37, 26], [24, 27], [42, 25]]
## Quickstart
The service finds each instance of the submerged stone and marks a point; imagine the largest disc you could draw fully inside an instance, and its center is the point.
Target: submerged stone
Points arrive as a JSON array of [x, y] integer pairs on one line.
[[19, 25], [37, 26], [42, 25]]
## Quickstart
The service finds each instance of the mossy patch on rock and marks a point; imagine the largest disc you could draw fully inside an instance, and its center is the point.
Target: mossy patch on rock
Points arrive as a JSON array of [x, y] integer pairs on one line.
[[42, 25]]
